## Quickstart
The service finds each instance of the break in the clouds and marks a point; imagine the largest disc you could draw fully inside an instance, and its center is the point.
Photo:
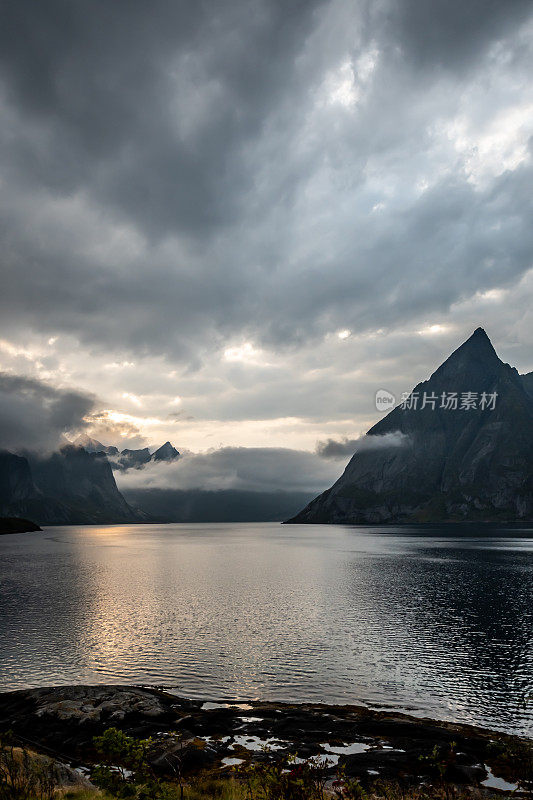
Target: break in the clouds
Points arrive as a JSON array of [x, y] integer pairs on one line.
[[233, 222]]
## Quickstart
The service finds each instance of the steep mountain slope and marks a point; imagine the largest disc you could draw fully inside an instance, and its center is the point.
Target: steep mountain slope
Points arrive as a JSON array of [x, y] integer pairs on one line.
[[71, 486], [451, 460], [16, 483], [527, 382]]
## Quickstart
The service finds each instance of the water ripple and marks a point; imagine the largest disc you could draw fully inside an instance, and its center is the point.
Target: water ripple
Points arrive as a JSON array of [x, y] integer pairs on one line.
[[439, 624]]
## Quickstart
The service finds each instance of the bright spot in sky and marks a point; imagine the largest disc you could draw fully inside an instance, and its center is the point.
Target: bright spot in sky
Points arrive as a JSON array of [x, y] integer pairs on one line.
[[344, 89], [14, 350], [176, 401], [119, 365], [118, 416], [52, 340], [132, 398], [343, 334], [432, 329], [245, 352], [494, 295], [345, 86], [502, 144]]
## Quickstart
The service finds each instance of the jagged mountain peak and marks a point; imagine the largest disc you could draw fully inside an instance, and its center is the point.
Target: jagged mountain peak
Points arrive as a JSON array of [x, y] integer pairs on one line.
[[477, 353], [466, 450], [93, 445], [167, 452]]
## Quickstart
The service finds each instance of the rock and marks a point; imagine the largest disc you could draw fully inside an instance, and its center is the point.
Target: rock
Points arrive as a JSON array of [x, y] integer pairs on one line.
[[166, 452], [433, 464], [63, 775], [100, 704], [17, 525], [71, 486], [64, 721], [176, 755], [133, 459]]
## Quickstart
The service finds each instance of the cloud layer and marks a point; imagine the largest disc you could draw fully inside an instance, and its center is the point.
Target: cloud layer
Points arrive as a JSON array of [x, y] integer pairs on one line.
[[234, 223], [241, 468], [36, 416], [333, 448]]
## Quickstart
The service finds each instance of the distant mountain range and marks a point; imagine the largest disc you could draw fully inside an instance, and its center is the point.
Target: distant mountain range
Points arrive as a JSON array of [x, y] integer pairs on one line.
[[459, 448], [75, 485], [222, 505], [128, 459]]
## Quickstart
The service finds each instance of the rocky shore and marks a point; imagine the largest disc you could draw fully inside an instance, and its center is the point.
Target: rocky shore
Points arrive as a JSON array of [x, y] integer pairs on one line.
[[17, 525], [362, 743]]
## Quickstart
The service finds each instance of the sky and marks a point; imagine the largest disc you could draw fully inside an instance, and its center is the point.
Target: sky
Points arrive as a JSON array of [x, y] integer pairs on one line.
[[227, 224]]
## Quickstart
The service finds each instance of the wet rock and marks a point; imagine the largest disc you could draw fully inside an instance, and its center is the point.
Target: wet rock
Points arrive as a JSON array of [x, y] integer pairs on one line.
[[63, 721], [174, 755], [468, 774]]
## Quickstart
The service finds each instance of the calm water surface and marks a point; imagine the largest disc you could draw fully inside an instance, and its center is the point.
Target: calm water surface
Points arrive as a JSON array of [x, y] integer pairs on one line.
[[437, 622]]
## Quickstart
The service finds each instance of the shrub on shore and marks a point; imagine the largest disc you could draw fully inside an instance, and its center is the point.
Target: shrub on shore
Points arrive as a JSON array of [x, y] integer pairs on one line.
[[124, 772]]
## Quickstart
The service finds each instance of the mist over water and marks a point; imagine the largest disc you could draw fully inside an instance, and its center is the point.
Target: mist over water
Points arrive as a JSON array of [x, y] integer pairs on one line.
[[433, 621]]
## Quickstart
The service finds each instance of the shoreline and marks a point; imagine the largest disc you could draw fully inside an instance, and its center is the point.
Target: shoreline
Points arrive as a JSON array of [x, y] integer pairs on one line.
[[218, 736]]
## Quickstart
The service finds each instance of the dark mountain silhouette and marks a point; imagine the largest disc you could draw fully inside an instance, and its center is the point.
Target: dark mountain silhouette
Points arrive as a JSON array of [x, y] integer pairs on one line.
[[17, 525], [166, 452], [527, 381], [72, 486], [444, 463], [223, 505], [135, 459]]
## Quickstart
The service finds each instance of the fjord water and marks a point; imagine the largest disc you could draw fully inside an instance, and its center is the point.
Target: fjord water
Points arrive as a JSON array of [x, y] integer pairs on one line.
[[433, 621]]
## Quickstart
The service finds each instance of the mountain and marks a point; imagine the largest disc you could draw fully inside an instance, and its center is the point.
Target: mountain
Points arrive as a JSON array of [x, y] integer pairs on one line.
[[16, 482], [94, 446], [71, 486], [128, 459], [223, 505], [441, 462], [165, 453], [527, 382], [17, 525], [135, 459]]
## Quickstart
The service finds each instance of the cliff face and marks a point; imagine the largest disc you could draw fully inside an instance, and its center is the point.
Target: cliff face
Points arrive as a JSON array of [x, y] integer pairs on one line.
[[444, 463], [16, 484], [71, 486], [527, 382]]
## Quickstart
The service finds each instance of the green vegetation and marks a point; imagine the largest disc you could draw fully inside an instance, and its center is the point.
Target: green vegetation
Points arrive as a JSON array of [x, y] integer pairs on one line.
[[125, 772]]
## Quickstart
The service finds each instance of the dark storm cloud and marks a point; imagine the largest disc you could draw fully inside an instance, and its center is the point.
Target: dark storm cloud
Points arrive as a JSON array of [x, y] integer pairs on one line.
[[148, 104], [175, 175], [35, 416], [453, 33]]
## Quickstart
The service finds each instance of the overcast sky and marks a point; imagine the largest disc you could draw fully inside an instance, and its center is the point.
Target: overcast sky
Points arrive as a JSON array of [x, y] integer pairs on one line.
[[228, 223]]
